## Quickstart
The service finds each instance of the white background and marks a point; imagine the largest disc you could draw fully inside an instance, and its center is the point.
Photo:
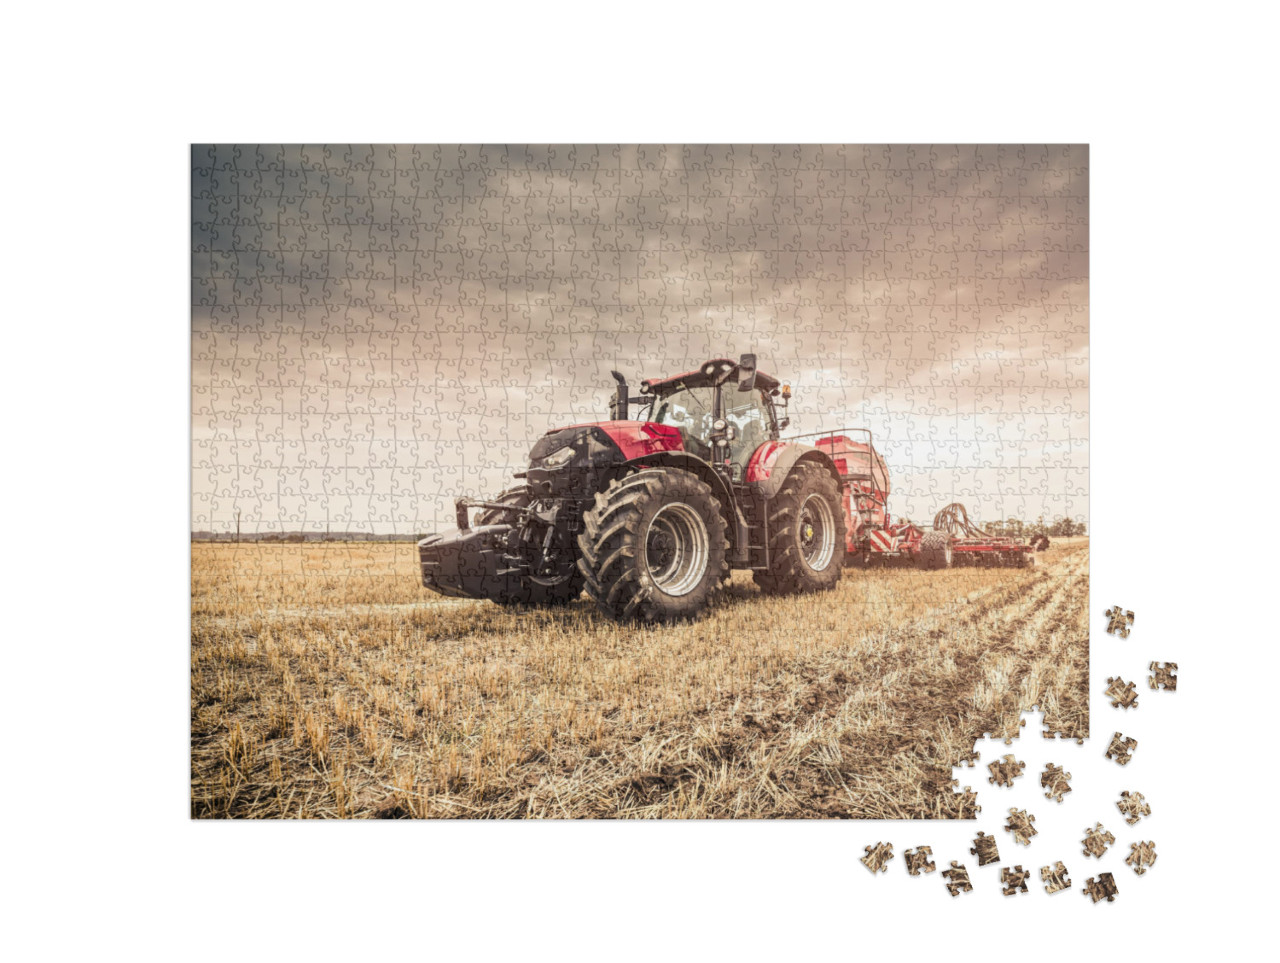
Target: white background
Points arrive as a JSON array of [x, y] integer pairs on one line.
[[103, 102]]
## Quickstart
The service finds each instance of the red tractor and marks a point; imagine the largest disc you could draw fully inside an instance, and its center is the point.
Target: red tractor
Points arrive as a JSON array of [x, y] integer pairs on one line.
[[649, 516]]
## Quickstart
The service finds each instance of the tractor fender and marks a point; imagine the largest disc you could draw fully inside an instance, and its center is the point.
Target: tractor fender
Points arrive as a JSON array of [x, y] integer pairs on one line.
[[773, 461], [695, 466]]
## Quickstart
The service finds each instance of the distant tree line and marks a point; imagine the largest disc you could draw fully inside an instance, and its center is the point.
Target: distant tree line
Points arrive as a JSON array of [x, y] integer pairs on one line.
[[295, 537], [1017, 528]]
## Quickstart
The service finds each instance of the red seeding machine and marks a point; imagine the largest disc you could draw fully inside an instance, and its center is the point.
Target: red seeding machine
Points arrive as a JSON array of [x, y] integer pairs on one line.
[[650, 514], [873, 537], [970, 545]]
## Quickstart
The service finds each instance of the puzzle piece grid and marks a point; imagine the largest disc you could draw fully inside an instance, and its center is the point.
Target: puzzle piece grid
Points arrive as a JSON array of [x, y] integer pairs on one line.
[[379, 329]]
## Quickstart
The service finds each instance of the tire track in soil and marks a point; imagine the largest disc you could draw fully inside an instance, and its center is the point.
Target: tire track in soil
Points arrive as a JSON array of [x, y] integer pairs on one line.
[[814, 793], [1059, 593], [1052, 591], [809, 790]]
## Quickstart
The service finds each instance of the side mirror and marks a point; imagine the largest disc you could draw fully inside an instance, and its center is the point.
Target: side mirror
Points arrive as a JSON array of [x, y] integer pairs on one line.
[[747, 367]]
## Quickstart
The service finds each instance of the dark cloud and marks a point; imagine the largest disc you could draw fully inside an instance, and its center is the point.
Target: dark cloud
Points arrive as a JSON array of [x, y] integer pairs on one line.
[[377, 329]]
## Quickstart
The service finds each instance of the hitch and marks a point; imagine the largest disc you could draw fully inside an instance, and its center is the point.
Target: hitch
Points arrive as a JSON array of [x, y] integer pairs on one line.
[[462, 506]]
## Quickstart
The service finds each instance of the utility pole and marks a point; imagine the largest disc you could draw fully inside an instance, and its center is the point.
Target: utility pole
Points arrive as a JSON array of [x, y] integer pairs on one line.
[[237, 526]]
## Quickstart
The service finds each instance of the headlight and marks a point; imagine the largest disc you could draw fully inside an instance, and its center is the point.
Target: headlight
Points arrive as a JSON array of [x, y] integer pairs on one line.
[[558, 457]]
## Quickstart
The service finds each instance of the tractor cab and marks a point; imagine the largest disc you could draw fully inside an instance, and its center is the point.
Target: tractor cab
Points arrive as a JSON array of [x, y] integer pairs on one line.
[[723, 411]]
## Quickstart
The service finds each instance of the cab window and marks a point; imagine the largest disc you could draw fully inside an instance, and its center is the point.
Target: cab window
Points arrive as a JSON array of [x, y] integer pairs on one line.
[[689, 410], [748, 412]]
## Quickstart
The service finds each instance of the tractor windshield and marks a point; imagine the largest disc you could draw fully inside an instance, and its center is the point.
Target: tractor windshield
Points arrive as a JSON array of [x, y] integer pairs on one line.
[[689, 410], [749, 414]]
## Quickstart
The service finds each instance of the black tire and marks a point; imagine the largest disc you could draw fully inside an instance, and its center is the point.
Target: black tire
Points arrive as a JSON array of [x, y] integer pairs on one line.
[[935, 551], [800, 559], [531, 590], [653, 546]]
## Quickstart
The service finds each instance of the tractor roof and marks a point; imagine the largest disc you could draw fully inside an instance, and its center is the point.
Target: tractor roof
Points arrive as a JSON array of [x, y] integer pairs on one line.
[[710, 372]]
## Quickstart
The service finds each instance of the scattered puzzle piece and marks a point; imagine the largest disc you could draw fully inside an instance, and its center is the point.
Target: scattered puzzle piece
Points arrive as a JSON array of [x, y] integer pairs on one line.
[[1005, 771], [1121, 749], [1141, 855], [1054, 878], [1119, 621], [1163, 676], [1013, 880], [918, 860], [1096, 841], [1055, 780], [1122, 694], [1104, 888], [957, 878], [878, 856], [1134, 806], [984, 847], [1020, 825]]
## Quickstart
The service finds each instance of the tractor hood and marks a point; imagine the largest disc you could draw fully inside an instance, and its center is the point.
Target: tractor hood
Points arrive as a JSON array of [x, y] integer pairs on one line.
[[567, 461], [630, 439]]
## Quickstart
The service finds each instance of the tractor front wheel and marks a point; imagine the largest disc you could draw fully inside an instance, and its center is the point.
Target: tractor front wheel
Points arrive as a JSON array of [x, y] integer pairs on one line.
[[653, 546], [806, 534]]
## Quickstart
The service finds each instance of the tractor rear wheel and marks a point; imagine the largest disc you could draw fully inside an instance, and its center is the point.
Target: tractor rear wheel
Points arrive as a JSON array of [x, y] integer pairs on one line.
[[653, 546], [559, 589], [806, 534], [935, 551]]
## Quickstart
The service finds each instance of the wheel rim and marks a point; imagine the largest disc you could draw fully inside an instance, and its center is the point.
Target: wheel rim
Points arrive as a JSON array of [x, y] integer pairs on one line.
[[676, 549], [817, 532]]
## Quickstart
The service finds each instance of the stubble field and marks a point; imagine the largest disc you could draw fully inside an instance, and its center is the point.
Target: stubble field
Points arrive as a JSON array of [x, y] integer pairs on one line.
[[325, 682]]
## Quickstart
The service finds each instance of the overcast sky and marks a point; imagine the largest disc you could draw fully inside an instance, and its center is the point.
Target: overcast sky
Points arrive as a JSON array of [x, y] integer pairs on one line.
[[378, 329]]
